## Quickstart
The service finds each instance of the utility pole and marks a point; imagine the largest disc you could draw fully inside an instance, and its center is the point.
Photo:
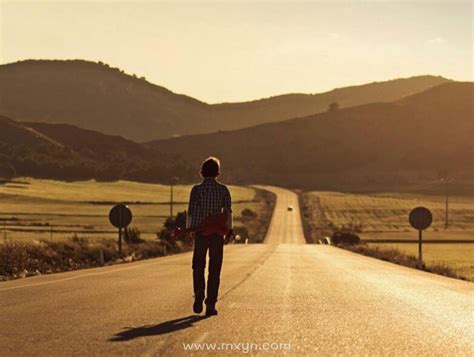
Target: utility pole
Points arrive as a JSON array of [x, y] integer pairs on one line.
[[445, 180], [174, 180], [171, 199], [446, 221]]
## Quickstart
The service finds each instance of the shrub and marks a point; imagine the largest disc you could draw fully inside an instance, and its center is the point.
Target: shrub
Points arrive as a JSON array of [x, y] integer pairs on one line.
[[345, 238], [13, 258], [170, 225], [132, 235], [333, 107], [248, 213], [150, 249], [81, 241], [20, 259], [242, 232]]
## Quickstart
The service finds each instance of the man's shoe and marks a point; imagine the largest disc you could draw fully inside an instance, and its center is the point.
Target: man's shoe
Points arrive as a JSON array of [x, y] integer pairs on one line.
[[211, 310], [197, 306]]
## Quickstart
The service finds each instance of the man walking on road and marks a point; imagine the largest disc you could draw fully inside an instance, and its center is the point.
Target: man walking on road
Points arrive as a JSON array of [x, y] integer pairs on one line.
[[208, 199]]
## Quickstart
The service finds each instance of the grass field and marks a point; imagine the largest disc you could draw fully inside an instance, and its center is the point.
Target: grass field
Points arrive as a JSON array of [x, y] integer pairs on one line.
[[30, 208], [459, 257], [385, 216]]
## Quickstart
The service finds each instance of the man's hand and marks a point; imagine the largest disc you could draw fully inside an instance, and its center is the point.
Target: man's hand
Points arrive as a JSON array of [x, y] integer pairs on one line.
[[191, 237]]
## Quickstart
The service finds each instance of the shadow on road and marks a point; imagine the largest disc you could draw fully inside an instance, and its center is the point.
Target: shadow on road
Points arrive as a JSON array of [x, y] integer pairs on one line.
[[153, 330]]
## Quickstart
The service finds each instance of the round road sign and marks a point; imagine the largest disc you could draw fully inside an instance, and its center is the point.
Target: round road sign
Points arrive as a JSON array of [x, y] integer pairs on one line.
[[420, 218], [120, 216]]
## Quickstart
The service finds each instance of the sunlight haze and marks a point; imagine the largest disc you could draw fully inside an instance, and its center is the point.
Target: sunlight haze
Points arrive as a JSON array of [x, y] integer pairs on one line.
[[235, 51]]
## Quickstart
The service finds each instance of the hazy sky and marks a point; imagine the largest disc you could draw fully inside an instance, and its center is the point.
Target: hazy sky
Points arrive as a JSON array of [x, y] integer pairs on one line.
[[235, 50]]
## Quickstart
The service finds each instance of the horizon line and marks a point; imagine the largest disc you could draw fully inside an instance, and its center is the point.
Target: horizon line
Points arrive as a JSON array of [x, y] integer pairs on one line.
[[134, 75]]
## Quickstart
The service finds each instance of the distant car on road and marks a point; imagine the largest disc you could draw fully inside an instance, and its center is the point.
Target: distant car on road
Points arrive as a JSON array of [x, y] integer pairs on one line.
[[290, 208]]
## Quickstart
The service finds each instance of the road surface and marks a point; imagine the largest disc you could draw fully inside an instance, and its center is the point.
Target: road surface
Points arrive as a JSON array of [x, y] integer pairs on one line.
[[283, 295]]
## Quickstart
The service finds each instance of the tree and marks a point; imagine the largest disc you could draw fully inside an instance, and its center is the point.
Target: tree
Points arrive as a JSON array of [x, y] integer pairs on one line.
[[7, 171], [333, 107], [170, 225]]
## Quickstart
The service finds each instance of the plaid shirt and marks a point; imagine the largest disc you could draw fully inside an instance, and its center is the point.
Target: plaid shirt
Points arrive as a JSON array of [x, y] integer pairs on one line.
[[208, 199]]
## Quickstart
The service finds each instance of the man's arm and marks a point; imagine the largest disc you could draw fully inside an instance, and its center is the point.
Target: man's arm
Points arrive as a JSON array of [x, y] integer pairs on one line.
[[227, 205], [192, 207]]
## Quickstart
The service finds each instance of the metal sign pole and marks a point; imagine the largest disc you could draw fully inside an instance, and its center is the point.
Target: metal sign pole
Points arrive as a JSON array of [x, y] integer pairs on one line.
[[120, 241], [446, 209], [120, 231], [420, 238], [120, 216], [420, 244], [420, 218]]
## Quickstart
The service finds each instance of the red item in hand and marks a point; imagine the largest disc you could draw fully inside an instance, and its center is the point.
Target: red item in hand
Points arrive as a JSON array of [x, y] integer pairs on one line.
[[212, 225]]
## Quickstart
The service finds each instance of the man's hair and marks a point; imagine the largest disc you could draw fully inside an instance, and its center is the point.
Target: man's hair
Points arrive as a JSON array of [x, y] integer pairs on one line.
[[211, 167]]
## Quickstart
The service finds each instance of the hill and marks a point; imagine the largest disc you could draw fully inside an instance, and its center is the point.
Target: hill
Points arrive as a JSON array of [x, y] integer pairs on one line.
[[15, 134], [61, 151], [407, 140], [89, 142], [97, 97]]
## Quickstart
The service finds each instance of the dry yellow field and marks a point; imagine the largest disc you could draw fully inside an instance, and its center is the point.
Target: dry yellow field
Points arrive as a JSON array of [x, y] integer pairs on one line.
[[459, 257], [29, 209], [385, 216]]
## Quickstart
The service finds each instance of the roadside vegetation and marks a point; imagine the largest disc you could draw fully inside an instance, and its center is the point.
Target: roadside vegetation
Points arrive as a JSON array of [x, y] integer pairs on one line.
[[401, 258], [457, 256], [35, 254], [363, 223], [253, 225], [21, 259]]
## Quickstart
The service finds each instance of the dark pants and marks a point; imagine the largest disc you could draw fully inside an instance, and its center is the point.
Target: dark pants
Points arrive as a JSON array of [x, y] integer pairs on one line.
[[215, 245]]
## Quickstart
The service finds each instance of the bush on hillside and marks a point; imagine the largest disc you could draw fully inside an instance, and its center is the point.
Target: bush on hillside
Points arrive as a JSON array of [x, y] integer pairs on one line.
[[248, 213], [345, 238]]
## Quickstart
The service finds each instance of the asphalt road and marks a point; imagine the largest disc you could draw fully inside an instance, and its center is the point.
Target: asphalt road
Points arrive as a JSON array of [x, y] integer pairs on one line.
[[283, 297]]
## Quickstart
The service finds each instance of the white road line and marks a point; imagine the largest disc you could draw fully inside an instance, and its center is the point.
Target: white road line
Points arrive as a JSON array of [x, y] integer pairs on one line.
[[92, 274], [79, 276]]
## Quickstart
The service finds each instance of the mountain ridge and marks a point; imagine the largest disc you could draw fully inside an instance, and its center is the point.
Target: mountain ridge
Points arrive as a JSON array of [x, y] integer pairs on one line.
[[410, 140], [101, 98], [395, 141], [65, 152]]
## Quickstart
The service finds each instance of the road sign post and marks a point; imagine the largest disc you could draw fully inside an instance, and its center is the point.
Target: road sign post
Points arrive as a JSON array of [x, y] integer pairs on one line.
[[120, 216], [120, 240], [420, 218], [173, 181], [446, 179], [446, 219], [420, 245]]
